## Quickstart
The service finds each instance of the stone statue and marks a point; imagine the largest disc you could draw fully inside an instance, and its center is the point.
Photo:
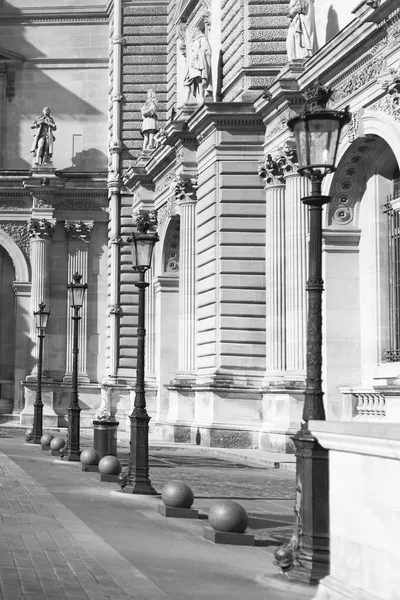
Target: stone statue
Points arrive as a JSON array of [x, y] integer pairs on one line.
[[42, 147], [103, 413], [197, 80], [149, 115], [301, 40]]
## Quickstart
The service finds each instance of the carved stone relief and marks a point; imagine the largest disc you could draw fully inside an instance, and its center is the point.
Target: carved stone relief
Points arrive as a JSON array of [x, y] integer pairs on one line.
[[20, 234]]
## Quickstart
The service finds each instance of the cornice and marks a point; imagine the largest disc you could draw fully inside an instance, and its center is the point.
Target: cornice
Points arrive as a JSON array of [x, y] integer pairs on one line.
[[224, 115], [62, 15]]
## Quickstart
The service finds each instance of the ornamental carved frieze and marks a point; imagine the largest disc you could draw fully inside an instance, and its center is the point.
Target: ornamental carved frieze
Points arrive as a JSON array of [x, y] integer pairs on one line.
[[79, 204], [165, 182], [20, 234], [41, 229], [78, 231]]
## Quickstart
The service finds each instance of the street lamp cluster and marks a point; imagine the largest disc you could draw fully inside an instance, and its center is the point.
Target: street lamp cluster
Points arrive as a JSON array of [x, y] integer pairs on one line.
[[306, 556], [76, 292]]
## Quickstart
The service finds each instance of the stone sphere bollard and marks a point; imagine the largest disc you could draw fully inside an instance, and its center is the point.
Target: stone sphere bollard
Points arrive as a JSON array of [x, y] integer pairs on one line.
[[110, 465], [46, 439], [90, 456], [57, 443], [177, 494], [229, 516]]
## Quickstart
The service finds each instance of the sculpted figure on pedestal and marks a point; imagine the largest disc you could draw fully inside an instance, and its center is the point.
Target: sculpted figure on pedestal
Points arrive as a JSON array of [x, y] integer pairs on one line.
[[150, 124], [42, 147], [197, 80], [301, 40]]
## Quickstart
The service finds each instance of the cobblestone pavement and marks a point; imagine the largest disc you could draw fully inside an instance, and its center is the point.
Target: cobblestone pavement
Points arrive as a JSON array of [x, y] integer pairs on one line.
[[64, 535]]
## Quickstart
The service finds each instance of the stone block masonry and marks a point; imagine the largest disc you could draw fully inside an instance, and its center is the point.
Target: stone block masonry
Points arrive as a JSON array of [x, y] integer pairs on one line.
[[144, 66]]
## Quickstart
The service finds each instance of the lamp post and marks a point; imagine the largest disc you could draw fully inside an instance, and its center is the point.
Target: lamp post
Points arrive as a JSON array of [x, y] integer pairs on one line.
[[135, 479], [41, 319], [306, 557], [76, 292]]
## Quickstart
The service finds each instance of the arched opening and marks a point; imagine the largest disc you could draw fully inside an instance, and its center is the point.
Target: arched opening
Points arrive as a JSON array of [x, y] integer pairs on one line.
[[362, 295], [166, 289], [7, 328]]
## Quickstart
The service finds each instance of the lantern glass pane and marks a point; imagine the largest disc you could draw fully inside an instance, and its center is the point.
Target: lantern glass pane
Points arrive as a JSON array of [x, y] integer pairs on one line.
[[133, 252], [144, 251], [317, 139], [76, 294], [41, 319]]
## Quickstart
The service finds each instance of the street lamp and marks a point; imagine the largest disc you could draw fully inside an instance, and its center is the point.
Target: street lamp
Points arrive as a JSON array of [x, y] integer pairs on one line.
[[76, 292], [306, 556], [135, 480], [41, 319]]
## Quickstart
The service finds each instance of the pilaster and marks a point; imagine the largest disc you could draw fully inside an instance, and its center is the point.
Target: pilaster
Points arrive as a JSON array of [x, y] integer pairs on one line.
[[296, 252], [274, 269], [78, 236], [185, 192], [41, 233]]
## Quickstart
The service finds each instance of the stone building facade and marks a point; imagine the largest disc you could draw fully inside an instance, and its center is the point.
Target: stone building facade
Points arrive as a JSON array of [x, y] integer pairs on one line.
[[226, 306]]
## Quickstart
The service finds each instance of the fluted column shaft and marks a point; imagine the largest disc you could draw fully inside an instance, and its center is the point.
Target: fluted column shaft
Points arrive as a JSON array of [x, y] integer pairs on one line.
[[41, 232], [78, 235], [296, 251], [187, 323], [275, 280]]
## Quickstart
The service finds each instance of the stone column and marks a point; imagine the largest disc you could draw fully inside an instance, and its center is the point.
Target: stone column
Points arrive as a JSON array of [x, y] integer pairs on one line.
[[185, 192], [41, 232], [274, 269], [78, 236], [296, 252]]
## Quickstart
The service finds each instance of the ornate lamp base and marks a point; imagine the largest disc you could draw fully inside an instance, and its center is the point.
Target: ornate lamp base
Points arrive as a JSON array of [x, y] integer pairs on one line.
[[72, 452], [306, 556], [135, 479]]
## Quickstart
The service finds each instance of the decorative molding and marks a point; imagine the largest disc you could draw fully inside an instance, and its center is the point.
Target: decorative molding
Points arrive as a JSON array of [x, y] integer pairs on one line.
[[78, 230], [19, 233], [41, 229], [46, 16]]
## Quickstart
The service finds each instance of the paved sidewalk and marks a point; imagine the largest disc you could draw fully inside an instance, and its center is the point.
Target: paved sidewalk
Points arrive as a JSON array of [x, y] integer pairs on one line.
[[66, 535]]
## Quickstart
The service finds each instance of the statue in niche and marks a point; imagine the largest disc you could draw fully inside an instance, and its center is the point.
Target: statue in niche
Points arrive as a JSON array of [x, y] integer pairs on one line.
[[150, 124], [42, 147], [197, 80], [301, 40]]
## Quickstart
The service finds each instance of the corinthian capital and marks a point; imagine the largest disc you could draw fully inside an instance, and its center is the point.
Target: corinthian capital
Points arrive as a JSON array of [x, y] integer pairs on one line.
[[271, 171], [287, 158], [78, 230], [185, 188], [41, 229]]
